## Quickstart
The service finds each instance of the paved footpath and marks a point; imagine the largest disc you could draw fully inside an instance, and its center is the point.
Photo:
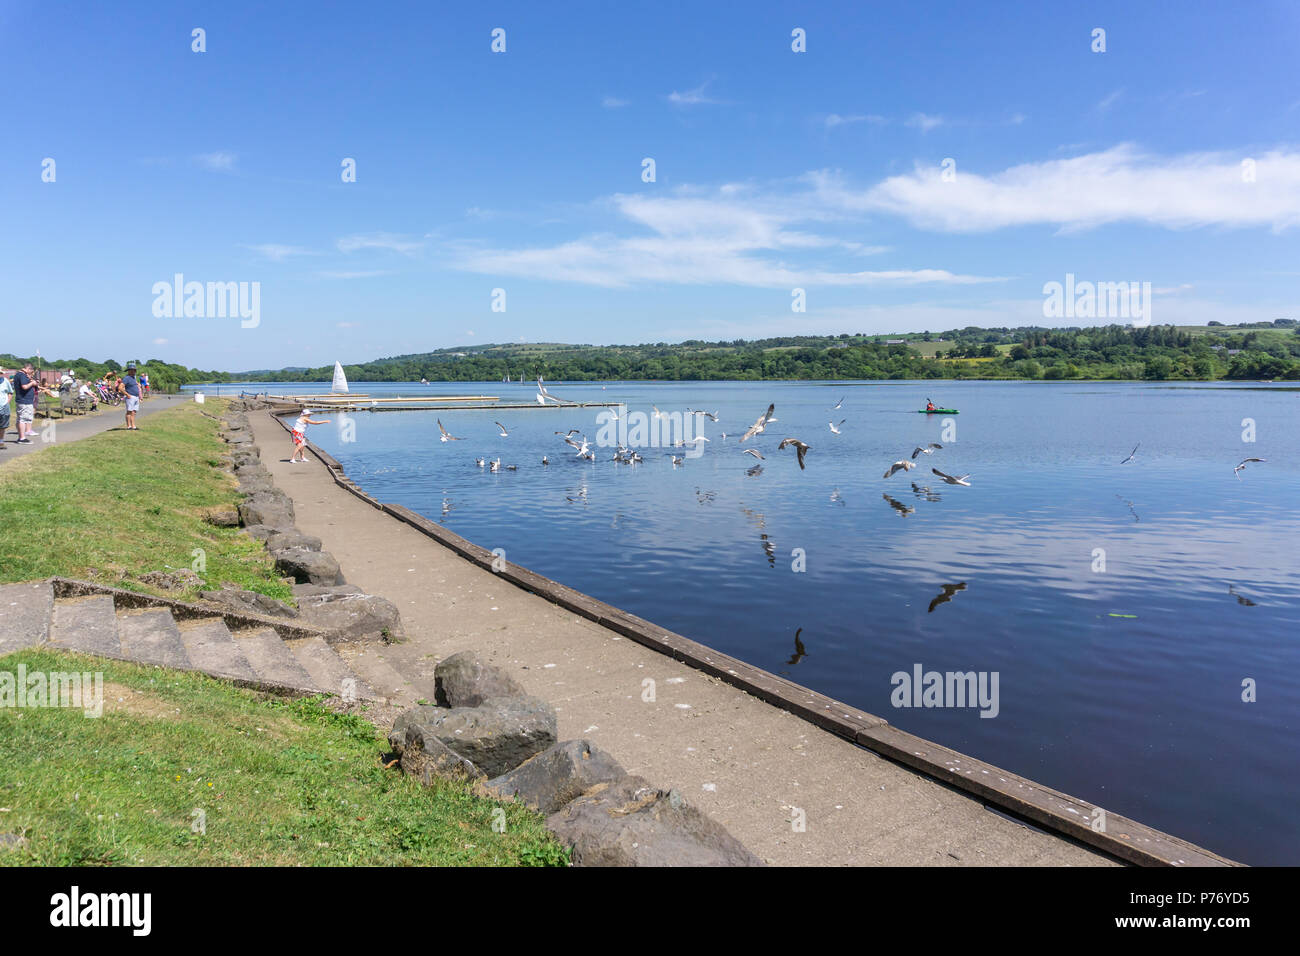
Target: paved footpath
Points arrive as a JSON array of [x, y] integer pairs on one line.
[[80, 426], [747, 764]]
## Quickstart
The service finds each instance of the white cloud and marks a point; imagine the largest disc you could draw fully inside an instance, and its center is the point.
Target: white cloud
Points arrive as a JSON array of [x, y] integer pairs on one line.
[[382, 240], [217, 162], [278, 253], [835, 119], [613, 103], [363, 274], [1120, 184], [1109, 101], [727, 237], [693, 97], [160, 342], [924, 122]]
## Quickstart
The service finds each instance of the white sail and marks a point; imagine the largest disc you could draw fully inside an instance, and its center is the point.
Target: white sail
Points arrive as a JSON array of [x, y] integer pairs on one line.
[[340, 380]]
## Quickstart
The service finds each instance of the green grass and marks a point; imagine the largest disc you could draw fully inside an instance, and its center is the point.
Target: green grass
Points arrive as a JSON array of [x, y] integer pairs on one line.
[[113, 506], [279, 782]]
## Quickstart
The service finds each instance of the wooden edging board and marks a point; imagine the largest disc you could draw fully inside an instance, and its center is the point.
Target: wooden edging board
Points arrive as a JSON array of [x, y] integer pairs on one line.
[[1061, 813]]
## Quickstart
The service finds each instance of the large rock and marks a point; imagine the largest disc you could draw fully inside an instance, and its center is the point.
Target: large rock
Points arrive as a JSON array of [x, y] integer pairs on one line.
[[260, 531], [239, 437], [271, 508], [315, 567], [256, 485], [245, 455], [325, 591], [426, 757], [352, 617], [252, 470], [248, 602], [631, 823], [292, 538], [222, 518], [496, 737], [557, 775], [463, 680]]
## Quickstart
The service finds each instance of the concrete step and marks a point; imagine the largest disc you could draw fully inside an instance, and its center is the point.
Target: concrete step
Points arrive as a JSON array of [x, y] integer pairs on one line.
[[272, 660], [152, 637], [328, 670], [25, 614], [213, 650], [386, 680], [88, 625]]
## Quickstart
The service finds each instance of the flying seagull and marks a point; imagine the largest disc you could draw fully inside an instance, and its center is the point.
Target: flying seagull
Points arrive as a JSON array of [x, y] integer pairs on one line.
[[446, 435], [569, 432], [900, 465], [799, 448], [948, 591], [504, 433], [837, 405], [1131, 454], [926, 449], [713, 416], [1237, 471], [583, 449], [758, 426], [836, 428], [753, 451], [950, 479]]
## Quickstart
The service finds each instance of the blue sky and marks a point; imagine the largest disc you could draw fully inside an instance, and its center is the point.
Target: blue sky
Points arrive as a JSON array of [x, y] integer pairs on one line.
[[522, 170]]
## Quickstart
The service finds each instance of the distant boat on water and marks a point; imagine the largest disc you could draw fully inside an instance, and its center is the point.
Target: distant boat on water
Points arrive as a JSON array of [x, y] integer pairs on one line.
[[340, 380]]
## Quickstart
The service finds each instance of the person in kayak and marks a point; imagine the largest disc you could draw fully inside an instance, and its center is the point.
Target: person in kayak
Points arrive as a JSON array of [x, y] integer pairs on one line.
[[929, 405]]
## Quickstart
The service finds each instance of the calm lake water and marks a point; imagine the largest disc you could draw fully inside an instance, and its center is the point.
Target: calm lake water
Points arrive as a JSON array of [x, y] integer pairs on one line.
[[1122, 685]]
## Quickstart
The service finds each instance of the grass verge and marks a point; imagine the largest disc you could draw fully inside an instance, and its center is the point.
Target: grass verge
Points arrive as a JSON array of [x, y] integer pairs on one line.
[[113, 506], [273, 781]]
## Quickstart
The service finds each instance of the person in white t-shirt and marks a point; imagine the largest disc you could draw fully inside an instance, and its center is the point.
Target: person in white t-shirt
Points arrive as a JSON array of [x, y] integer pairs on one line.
[[299, 434]]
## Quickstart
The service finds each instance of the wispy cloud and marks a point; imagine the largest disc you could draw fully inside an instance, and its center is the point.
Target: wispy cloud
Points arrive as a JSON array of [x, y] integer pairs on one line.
[[1106, 102], [362, 274], [695, 97], [278, 253], [835, 119], [613, 103], [729, 236], [217, 162], [924, 122], [380, 240], [1121, 184]]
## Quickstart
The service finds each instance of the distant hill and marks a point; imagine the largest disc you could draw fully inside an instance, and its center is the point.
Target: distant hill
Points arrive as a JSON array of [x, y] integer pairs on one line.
[[1248, 351]]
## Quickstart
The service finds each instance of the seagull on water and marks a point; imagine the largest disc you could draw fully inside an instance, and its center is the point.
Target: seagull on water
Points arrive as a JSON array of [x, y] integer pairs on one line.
[[926, 449], [799, 447], [446, 435], [758, 426], [1236, 471], [1131, 454], [479, 462], [900, 465], [951, 479], [677, 459], [495, 466], [545, 460], [504, 433], [836, 428]]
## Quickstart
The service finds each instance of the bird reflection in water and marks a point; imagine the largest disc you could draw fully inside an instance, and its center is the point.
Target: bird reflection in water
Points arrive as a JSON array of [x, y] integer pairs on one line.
[[923, 491], [769, 549], [799, 652], [837, 497], [948, 591], [1241, 598], [1130, 507], [902, 509], [754, 472]]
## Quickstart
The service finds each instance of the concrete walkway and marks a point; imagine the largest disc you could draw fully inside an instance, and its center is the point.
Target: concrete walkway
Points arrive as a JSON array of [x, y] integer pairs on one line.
[[749, 765], [80, 426]]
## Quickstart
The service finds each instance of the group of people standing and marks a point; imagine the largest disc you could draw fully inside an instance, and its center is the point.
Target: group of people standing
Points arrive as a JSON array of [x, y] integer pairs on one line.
[[24, 388]]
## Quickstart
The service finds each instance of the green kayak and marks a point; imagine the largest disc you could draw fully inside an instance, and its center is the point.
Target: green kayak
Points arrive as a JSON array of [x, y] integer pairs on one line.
[[938, 411]]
